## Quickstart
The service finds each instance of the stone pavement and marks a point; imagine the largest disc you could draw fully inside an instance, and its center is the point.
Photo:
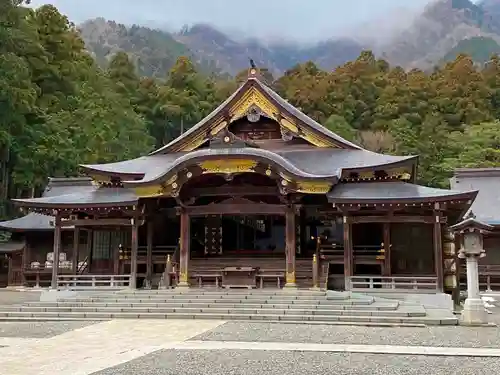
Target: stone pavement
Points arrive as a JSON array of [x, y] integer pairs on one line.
[[96, 347], [135, 347]]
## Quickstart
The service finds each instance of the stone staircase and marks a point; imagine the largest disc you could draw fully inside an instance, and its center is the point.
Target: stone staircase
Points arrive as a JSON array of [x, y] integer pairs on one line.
[[302, 306]]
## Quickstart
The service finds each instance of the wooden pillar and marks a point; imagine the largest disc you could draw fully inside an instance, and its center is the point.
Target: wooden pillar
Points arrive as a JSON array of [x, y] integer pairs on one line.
[[290, 234], [133, 253], [56, 250], [25, 261], [76, 243], [117, 256], [90, 244], [149, 249], [9, 270], [185, 239], [438, 250], [348, 252], [387, 249]]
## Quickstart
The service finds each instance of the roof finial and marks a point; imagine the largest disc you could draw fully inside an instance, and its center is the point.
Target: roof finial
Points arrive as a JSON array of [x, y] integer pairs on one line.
[[253, 72]]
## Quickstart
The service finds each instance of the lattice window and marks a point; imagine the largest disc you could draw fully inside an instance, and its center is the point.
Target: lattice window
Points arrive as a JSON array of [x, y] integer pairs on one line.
[[105, 241], [101, 245]]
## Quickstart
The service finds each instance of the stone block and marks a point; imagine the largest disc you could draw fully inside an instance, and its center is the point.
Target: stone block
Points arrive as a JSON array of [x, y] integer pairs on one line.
[[53, 295]]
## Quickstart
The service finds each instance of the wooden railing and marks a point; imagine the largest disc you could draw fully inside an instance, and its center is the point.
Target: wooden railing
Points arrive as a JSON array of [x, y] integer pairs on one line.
[[489, 283], [91, 282], [489, 277], [157, 251], [415, 284], [361, 250]]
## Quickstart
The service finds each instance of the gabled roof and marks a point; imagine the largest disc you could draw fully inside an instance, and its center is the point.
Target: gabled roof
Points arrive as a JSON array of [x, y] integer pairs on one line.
[[281, 104]]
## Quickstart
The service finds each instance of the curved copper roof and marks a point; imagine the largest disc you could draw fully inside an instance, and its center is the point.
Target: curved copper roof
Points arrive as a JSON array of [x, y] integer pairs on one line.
[[266, 156], [55, 187], [99, 197], [389, 191], [312, 163]]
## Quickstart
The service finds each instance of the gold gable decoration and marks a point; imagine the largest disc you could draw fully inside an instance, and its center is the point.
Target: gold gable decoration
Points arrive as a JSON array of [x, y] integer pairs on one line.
[[253, 97], [313, 187], [250, 98], [228, 166]]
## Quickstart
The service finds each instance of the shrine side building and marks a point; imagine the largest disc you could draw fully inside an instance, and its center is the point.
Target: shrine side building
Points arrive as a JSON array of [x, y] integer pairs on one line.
[[256, 187], [486, 209]]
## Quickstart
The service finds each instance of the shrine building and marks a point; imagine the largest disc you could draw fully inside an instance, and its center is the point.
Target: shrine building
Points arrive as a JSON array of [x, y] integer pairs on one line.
[[256, 195]]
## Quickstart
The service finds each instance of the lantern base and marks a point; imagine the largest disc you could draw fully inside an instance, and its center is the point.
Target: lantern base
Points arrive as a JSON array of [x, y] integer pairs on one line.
[[474, 312]]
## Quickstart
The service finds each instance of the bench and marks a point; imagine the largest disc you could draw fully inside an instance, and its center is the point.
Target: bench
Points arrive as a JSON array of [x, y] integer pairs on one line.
[[278, 275], [213, 275]]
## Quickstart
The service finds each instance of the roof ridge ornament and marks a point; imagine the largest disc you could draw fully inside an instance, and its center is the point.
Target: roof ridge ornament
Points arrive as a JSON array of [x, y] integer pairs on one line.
[[253, 72]]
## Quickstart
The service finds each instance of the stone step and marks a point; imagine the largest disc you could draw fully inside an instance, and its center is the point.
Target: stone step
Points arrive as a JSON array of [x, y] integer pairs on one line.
[[245, 292], [309, 322], [224, 300], [385, 306], [283, 296], [215, 310], [258, 317]]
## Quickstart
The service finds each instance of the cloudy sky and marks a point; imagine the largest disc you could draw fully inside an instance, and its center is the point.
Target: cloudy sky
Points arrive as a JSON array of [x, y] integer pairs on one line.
[[305, 20]]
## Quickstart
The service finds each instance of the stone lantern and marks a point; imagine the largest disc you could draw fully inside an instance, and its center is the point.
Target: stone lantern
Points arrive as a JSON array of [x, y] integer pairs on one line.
[[472, 231]]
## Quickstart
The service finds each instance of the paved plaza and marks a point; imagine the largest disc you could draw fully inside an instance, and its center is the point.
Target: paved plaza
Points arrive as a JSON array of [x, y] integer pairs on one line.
[[152, 347]]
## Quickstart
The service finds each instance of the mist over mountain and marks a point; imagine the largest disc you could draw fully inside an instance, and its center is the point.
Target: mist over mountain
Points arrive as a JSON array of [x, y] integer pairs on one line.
[[412, 37]]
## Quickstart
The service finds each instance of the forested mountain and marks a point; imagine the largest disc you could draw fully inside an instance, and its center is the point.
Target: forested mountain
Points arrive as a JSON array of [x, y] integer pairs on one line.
[[59, 108], [480, 49], [231, 56], [443, 26], [155, 51]]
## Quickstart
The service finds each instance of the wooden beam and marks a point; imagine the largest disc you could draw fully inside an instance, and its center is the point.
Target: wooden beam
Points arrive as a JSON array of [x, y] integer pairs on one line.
[[237, 209], [96, 222], [395, 219], [233, 191]]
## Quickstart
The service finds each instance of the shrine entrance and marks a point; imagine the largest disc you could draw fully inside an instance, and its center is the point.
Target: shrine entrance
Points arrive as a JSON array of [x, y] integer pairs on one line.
[[238, 235]]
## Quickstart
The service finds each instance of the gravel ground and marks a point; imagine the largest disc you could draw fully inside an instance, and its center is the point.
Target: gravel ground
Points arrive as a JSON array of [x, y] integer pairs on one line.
[[327, 334], [225, 362], [13, 297], [39, 329]]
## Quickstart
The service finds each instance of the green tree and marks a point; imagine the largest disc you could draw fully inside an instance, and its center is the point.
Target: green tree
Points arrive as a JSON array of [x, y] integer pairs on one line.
[[122, 71], [477, 147], [340, 126]]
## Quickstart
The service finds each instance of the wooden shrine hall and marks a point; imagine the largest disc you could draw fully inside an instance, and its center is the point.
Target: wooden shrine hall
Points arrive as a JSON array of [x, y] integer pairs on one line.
[[257, 194]]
